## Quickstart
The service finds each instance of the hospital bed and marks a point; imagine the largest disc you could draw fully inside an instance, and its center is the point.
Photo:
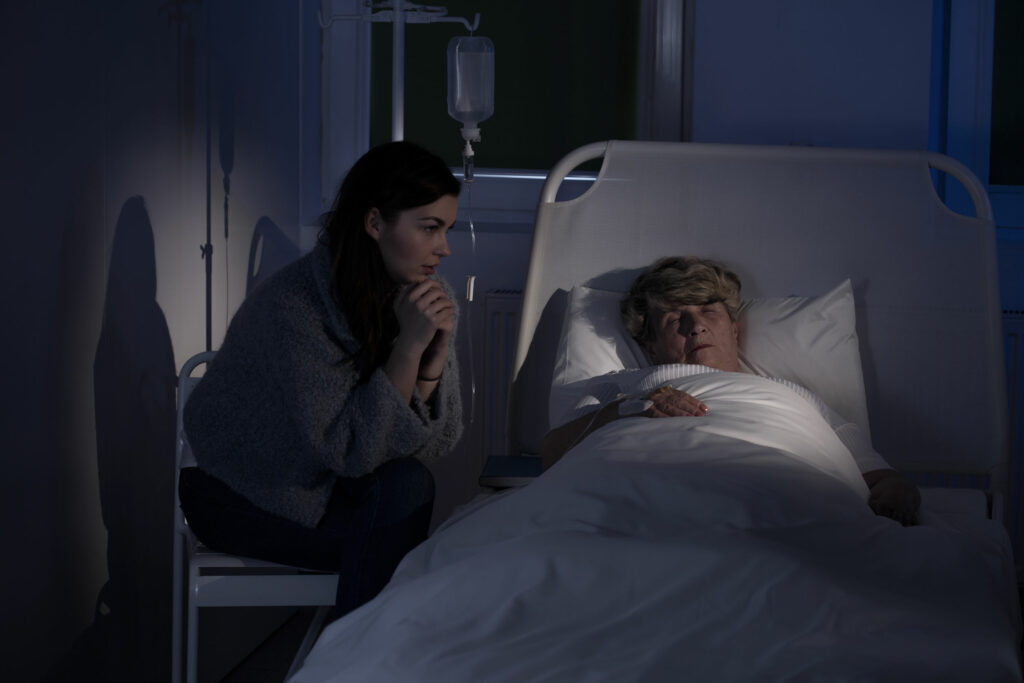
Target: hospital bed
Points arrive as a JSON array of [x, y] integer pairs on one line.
[[719, 549]]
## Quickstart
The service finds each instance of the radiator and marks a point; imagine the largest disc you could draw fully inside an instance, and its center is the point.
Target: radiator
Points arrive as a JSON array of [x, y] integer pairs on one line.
[[501, 316], [1013, 344]]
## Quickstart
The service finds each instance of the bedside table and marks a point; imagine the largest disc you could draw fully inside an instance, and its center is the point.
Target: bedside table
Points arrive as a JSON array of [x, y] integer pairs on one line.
[[509, 471]]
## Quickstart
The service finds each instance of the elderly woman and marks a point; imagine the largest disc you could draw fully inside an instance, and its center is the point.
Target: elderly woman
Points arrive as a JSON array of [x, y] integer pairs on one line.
[[684, 310]]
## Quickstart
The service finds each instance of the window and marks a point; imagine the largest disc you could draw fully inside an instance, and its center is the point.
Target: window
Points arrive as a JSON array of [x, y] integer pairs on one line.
[[983, 104], [1006, 156], [565, 76]]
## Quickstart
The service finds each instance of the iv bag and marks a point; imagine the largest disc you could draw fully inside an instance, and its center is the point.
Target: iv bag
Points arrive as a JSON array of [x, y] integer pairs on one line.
[[470, 81]]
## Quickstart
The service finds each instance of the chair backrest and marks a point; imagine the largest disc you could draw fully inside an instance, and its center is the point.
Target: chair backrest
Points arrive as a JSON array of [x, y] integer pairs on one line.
[[187, 380]]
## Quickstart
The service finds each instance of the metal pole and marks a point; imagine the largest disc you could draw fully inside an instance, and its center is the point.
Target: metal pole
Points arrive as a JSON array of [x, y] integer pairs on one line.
[[207, 249], [398, 72]]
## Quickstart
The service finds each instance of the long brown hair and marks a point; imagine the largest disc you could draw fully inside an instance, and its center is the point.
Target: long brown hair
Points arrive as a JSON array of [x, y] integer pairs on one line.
[[391, 178]]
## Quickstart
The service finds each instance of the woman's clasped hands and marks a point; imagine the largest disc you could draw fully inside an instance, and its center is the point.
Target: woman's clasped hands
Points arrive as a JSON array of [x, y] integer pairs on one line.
[[426, 318]]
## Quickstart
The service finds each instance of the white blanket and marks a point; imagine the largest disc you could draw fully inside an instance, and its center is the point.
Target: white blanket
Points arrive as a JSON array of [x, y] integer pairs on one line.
[[733, 547]]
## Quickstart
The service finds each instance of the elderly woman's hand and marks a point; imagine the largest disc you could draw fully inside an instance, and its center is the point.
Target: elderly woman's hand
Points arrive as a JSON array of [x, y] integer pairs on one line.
[[893, 495], [670, 402]]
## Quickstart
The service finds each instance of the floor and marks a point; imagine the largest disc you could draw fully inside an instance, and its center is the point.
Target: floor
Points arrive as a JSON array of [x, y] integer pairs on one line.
[[270, 661]]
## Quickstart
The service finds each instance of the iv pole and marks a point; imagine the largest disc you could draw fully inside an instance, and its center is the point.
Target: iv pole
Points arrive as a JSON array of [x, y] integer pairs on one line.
[[409, 13], [412, 14], [398, 76]]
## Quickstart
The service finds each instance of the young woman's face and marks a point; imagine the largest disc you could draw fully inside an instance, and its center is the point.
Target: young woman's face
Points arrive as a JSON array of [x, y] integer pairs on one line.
[[413, 244]]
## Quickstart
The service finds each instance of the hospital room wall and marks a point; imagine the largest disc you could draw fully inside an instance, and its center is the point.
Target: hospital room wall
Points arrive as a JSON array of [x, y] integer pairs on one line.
[[874, 75], [104, 201], [855, 74], [870, 74], [112, 106], [812, 73]]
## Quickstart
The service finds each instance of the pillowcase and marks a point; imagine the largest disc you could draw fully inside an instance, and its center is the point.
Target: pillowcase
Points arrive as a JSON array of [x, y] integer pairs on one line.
[[808, 340], [594, 341], [811, 341]]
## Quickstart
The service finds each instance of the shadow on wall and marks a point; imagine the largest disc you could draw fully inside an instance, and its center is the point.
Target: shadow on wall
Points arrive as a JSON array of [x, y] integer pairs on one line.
[[269, 249], [134, 382]]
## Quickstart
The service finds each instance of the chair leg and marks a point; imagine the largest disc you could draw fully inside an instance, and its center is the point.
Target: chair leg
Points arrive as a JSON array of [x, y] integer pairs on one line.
[[192, 627], [177, 612], [315, 626]]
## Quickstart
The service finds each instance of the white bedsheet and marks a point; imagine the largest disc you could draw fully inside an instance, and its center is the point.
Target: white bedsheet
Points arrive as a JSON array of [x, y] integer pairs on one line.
[[734, 547]]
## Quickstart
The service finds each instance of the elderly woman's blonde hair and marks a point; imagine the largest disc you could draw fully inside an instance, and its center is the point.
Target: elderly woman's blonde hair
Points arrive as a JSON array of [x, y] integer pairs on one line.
[[676, 281]]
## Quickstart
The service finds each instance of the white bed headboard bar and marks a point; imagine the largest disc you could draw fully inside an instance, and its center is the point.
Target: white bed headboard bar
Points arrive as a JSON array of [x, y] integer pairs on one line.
[[797, 220], [941, 162]]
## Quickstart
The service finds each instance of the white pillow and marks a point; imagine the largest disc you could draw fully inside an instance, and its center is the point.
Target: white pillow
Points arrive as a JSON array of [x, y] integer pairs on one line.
[[593, 340], [808, 340]]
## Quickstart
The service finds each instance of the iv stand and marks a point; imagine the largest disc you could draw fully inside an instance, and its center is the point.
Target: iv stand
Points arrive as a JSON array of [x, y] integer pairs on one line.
[[409, 13], [413, 14]]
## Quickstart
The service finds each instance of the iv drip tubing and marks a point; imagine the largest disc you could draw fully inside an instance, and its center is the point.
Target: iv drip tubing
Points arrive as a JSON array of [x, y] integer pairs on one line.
[[469, 296], [469, 216]]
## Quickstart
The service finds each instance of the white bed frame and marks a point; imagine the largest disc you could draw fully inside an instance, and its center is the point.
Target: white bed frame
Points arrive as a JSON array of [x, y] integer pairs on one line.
[[796, 221], [615, 566]]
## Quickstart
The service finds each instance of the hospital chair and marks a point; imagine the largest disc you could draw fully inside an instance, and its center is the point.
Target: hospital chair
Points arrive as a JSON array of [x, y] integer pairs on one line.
[[206, 578]]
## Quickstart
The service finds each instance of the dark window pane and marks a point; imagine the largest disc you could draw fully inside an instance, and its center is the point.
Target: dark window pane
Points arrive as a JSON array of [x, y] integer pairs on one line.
[[1006, 159]]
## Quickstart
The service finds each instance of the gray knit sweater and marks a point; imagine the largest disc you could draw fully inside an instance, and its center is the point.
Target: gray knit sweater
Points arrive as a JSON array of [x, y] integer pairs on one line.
[[279, 414]]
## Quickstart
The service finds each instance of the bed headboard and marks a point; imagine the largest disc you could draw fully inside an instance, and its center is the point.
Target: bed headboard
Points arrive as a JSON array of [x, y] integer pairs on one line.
[[796, 221]]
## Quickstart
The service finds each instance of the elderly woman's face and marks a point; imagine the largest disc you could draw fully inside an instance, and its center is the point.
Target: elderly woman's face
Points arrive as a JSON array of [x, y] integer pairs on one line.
[[698, 335]]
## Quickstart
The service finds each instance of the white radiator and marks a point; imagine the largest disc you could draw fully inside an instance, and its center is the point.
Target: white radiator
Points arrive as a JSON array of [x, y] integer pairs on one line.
[[1013, 343], [501, 322]]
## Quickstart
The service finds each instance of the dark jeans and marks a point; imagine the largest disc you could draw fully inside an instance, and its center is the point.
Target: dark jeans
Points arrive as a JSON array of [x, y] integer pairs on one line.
[[370, 524]]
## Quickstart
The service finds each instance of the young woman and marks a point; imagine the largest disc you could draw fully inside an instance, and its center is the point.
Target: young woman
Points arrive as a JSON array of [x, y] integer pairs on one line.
[[335, 379]]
